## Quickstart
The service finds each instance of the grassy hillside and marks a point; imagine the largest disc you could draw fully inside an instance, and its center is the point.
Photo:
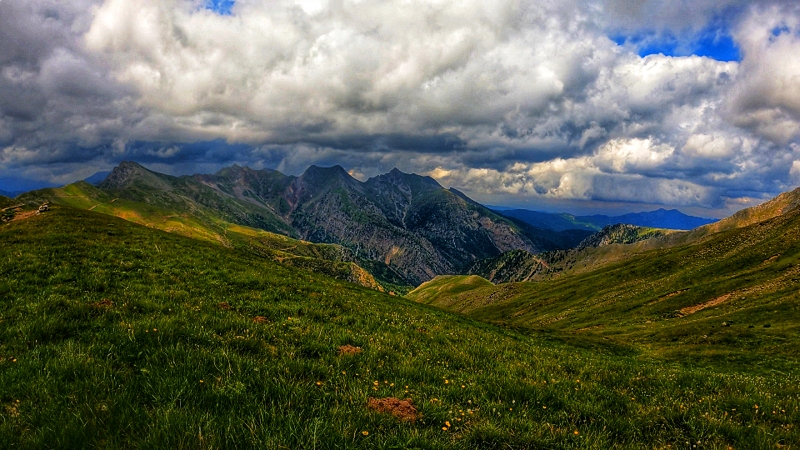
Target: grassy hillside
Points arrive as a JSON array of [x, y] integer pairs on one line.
[[731, 296], [329, 259], [189, 195], [113, 335], [445, 286], [604, 247], [5, 201]]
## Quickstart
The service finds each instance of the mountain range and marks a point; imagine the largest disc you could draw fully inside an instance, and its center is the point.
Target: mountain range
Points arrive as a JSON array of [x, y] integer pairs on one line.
[[10, 194], [401, 227], [660, 218]]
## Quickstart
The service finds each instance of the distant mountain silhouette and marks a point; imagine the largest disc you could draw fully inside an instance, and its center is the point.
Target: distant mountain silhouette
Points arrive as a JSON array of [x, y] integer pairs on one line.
[[661, 218]]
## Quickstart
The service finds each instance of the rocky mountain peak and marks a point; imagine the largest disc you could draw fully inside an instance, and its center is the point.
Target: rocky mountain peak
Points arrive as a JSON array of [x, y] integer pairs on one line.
[[404, 181], [124, 175]]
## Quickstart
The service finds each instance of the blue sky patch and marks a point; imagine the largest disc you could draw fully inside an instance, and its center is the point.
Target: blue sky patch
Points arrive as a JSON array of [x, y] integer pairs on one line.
[[715, 43], [222, 7], [719, 47]]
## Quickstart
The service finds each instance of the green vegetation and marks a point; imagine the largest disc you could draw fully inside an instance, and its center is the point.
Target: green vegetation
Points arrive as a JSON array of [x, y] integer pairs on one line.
[[446, 286], [113, 335], [729, 300], [594, 251], [5, 201], [329, 259]]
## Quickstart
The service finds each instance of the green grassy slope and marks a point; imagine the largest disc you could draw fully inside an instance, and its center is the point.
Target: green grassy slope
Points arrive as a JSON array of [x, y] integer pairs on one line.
[[606, 246], [113, 335], [733, 295], [5, 201], [189, 195], [445, 286], [329, 259]]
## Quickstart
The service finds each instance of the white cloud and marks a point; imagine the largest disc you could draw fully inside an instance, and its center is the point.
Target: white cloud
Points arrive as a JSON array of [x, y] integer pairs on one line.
[[767, 95], [516, 97], [710, 146], [794, 172], [632, 155]]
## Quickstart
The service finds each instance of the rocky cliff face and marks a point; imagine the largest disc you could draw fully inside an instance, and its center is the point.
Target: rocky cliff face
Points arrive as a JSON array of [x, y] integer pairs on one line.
[[408, 222]]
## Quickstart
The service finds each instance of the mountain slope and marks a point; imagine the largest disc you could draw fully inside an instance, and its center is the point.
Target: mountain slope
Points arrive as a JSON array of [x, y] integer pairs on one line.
[[5, 201], [116, 336], [404, 221], [603, 247], [407, 221], [782, 204], [331, 260], [747, 276], [187, 195]]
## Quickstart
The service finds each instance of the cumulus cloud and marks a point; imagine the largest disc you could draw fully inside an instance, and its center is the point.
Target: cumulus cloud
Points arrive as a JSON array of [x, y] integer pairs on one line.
[[767, 97], [509, 99]]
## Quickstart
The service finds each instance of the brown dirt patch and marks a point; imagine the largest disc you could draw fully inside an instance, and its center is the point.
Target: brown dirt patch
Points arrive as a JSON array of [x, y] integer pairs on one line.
[[260, 319], [104, 303], [693, 309], [403, 410], [22, 215], [349, 350], [224, 306]]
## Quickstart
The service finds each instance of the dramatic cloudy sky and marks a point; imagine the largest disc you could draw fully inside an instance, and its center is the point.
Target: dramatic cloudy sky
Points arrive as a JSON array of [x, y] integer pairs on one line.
[[545, 104]]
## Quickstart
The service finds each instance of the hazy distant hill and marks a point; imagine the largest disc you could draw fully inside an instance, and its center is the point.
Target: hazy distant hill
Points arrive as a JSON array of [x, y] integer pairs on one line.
[[14, 186], [97, 177], [9, 194], [661, 218]]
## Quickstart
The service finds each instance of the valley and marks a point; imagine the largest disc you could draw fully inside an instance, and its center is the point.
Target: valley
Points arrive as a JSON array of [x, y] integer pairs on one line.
[[158, 297]]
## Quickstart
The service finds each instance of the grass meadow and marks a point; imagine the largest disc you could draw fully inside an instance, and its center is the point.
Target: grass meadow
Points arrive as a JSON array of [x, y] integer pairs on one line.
[[113, 335]]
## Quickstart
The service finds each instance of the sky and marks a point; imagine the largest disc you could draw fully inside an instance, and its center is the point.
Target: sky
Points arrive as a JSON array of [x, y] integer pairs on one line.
[[585, 106]]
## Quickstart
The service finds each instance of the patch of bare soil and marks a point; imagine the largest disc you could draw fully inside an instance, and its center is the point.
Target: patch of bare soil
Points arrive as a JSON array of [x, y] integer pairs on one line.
[[22, 215], [349, 350], [260, 319], [693, 309], [104, 303], [403, 410]]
